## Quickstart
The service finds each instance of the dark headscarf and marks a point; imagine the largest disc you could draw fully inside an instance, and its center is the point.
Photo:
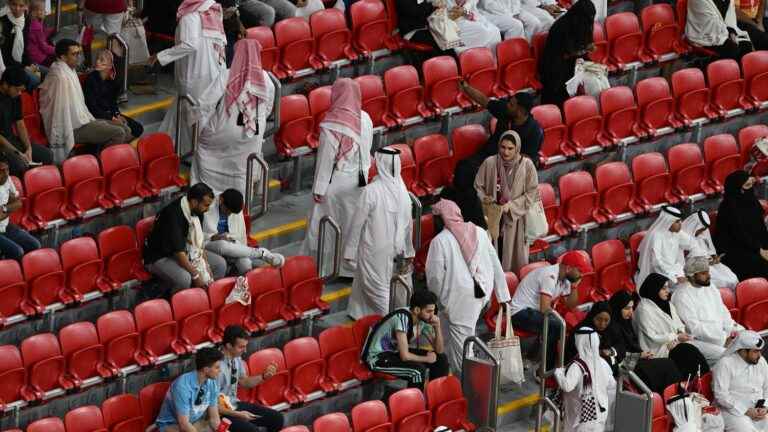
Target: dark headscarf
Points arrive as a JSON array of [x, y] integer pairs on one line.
[[650, 290], [525, 100], [588, 321], [619, 301], [734, 195], [462, 192]]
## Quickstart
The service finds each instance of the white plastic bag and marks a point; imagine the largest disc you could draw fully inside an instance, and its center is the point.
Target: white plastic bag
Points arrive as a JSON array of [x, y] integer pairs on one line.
[[590, 75], [444, 30], [536, 225], [506, 350]]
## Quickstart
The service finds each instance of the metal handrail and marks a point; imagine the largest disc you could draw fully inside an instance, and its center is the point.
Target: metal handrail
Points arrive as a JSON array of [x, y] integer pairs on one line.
[[398, 280], [543, 373], [417, 228], [555, 410], [275, 106], [249, 184], [57, 25], [327, 220], [126, 62], [483, 347], [177, 144]]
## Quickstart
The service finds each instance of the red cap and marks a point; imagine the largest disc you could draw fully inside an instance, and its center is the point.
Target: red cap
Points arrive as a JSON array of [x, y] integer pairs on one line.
[[576, 259]]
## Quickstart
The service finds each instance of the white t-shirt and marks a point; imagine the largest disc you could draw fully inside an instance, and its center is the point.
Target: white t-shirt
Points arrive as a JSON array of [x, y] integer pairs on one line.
[[543, 280], [6, 190]]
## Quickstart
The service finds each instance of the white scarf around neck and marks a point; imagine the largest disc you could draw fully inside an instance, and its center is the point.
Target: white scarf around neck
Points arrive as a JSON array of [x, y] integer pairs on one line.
[[18, 33], [195, 237]]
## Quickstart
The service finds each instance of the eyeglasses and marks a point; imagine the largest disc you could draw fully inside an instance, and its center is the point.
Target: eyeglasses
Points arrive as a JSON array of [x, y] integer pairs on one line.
[[200, 394]]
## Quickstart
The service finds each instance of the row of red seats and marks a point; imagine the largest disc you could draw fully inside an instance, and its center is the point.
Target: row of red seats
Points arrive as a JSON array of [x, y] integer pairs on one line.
[[444, 405]]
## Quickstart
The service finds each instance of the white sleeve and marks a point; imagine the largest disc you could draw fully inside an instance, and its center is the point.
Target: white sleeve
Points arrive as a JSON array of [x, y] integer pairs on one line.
[[569, 379], [499, 278], [410, 252], [721, 383], [352, 236], [435, 268], [686, 310], [672, 270], [326, 157], [190, 32]]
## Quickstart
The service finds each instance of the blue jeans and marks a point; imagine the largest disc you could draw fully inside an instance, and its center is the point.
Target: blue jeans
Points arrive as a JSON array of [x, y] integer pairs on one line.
[[15, 242], [532, 321]]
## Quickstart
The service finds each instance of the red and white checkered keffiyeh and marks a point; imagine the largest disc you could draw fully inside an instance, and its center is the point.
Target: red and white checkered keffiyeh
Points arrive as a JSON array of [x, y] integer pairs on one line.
[[246, 87]]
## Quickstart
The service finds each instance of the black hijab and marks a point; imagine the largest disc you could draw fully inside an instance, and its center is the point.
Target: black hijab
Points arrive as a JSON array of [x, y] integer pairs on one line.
[[588, 321], [650, 290], [462, 192], [736, 197]]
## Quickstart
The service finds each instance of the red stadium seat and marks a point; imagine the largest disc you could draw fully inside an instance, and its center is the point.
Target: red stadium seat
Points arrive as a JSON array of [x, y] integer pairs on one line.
[[120, 251], [551, 208], [406, 95], [692, 94], [45, 279], [47, 197], [620, 113], [427, 234], [45, 365], [333, 40], [303, 284], [371, 416], [585, 124], [294, 39], [227, 314], [194, 315], [296, 125], [13, 376], [85, 184], [478, 68], [689, 173], [342, 356], [721, 154], [555, 141], [755, 66], [625, 40], [526, 269], [747, 138], [755, 316], [611, 267], [19, 215], [270, 53], [50, 424], [159, 162], [333, 422], [578, 201], [467, 140], [297, 428], [374, 99], [662, 34], [660, 421], [143, 229], [84, 419], [749, 292], [448, 405], [538, 42], [122, 169], [408, 169], [122, 413], [303, 359], [517, 66], [634, 246], [441, 84], [652, 180], [370, 27], [158, 330], [362, 327], [490, 315], [616, 191], [434, 161], [729, 300], [274, 390], [30, 110], [117, 332], [13, 289], [600, 53], [657, 106], [269, 298], [727, 87], [319, 103], [151, 399], [409, 412], [83, 351]]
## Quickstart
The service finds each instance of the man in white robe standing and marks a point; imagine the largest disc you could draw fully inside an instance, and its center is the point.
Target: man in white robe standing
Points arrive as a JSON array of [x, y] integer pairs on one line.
[[697, 226], [701, 309], [739, 381], [661, 250], [380, 233], [200, 60], [236, 128], [463, 269]]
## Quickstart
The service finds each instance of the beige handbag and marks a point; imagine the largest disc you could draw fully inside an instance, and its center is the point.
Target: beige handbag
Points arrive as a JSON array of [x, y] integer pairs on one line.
[[536, 225], [444, 30], [506, 350]]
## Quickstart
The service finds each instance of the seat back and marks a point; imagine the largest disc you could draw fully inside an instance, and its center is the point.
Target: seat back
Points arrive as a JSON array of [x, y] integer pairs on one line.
[[84, 419], [362, 327], [517, 65], [12, 286], [334, 422], [751, 291], [572, 187], [297, 269], [193, 313], [478, 67], [408, 410], [624, 37], [151, 399], [159, 160], [611, 266], [651, 177], [549, 202], [655, 101], [555, 133], [600, 53], [368, 415], [75, 339], [691, 92], [43, 360], [408, 168], [619, 110], [319, 103], [155, 323], [755, 66], [370, 25], [725, 83], [273, 390], [270, 54], [122, 169], [122, 413], [721, 153], [615, 187], [13, 373], [294, 38], [50, 424], [119, 250], [332, 37], [404, 91], [45, 190], [583, 119], [686, 165], [660, 28], [117, 332], [441, 81], [296, 124], [467, 140], [45, 278], [374, 100], [84, 182]]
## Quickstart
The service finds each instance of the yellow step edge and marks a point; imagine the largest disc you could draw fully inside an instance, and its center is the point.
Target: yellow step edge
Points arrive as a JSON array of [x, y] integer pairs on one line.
[[517, 404], [154, 106], [280, 230], [336, 295]]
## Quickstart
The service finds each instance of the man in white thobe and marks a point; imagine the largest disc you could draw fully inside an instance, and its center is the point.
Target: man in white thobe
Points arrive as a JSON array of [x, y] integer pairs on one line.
[[379, 234], [199, 56], [504, 14], [701, 309], [661, 250], [463, 269], [697, 226], [739, 381], [475, 29]]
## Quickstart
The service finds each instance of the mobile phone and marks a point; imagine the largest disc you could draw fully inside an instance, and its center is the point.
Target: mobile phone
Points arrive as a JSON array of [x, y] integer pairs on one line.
[[760, 403]]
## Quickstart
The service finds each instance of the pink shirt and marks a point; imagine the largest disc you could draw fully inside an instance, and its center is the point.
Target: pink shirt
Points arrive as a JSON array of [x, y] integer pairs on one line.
[[38, 48]]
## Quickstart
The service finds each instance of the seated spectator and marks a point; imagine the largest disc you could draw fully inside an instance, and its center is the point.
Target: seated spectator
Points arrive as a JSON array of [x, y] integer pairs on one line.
[[14, 241], [101, 92], [739, 381], [697, 226], [660, 330], [412, 21], [712, 24], [65, 116], [192, 401], [474, 28], [104, 15], [462, 192], [174, 249], [12, 27], [395, 344], [505, 14], [40, 51], [570, 38], [245, 416], [305, 8], [225, 234], [741, 234], [265, 12], [749, 16], [701, 309], [538, 291], [20, 152]]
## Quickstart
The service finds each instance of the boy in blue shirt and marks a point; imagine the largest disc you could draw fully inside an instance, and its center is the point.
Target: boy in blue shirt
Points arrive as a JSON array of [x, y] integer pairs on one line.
[[191, 404]]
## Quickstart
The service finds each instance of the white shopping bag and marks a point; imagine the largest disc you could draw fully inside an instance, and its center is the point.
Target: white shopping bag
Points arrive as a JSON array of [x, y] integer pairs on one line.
[[506, 350]]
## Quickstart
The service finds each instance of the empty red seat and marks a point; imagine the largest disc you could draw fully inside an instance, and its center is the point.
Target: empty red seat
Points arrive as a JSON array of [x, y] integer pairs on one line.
[[85, 184], [144, 228], [448, 405], [634, 245], [747, 138], [158, 330], [333, 40], [371, 416], [755, 66], [625, 40], [551, 208], [616, 190], [585, 124], [611, 267], [319, 103], [689, 173], [120, 251], [122, 170], [13, 376], [276, 389], [159, 162], [620, 113], [652, 180], [578, 201], [478, 67], [296, 125], [662, 34], [333, 422], [151, 399], [517, 66], [13, 290], [117, 332], [721, 154], [434, 161], [270, 53], [555, 141], [692, 94], [83, 268], [490, 315], [660, 421], [408, 169], [50, 424], [294, 39], [408, 411], [727, 87], [657, 106], [30, 110], [84, 419], [47, 197], [227, 314], [194, 315], [83, 351], [600, 53], [729, 300], [303, 284], [45, 279], [297, 428], [45, 365], [370, 27], [441, 84], [303, 359], [342, 355], [122, 413], [750, 292], [467, 140], [362, 327], [406, 95], [270, 299], [374, 99]]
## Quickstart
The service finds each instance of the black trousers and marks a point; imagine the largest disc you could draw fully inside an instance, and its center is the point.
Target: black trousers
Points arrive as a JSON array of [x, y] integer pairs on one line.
[[16, 165], [268, 418], [759, 38], [136, 128], [414, 373]]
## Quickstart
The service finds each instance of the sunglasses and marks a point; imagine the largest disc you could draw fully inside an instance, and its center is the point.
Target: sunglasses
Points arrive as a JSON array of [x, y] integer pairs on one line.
[[233, 372], [199, 398]]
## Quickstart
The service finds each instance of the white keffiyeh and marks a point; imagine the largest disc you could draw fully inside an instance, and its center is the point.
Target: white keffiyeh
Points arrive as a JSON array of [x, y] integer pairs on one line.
[[18, 33]]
